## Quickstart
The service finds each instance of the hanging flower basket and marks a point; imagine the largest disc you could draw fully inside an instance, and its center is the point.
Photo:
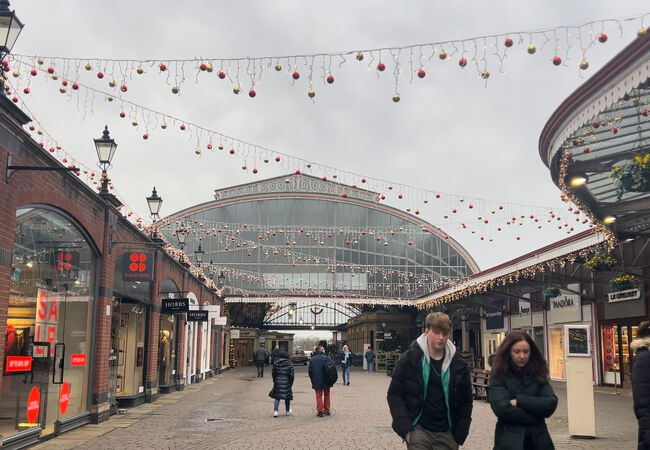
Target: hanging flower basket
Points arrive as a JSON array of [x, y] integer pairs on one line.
[[551, 292], [633, 175], [624, 282], [600, 262]]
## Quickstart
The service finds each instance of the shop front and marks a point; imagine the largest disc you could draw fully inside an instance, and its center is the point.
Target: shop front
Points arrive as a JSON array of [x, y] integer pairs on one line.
[[622, 313], [128, 329], [531, 323], [564, 309], [494, 327], [167, 340], [48, 342]]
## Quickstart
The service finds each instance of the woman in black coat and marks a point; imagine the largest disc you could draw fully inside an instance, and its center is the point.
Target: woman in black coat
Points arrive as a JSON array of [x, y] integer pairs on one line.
[[520, 395], [641, 384], [282, 382]]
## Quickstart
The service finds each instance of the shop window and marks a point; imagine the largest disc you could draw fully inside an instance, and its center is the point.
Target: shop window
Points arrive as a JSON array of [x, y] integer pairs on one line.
[[48, 336]]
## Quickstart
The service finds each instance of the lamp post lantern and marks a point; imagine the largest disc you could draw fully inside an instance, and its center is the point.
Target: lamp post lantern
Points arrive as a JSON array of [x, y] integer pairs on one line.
[[10, 28], [181, 235], [105, 147], [154, 201], [199, 255], [221, 280]]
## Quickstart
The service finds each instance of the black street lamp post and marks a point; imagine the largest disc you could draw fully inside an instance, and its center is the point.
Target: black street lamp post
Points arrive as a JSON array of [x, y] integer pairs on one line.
[[105, 147], [181, 234], [199, 255], [10, 28], [154, 201]]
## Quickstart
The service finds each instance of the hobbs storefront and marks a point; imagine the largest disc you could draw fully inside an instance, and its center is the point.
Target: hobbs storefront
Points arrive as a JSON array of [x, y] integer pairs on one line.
[[48, 342]]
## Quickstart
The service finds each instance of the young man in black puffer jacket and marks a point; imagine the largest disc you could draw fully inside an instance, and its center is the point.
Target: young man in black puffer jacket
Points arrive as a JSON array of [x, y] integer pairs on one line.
[[430, 395], [641, 384]]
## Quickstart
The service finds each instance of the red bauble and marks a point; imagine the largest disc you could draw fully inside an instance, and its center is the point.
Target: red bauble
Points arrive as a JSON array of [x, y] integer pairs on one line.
[[644, 113], [32, 128], [417, 211], [203, 66], [277, 158], [254, 170], [508, 42], [421, 73], [557, 61], [602, 38], [471, 206], [596, 124], [221, 74], [34, 72], [295, 75], [64, 82], [122, 114], [324, 178], [163, 67], [145, 136], [15, 99], [209, 146], [462, 62], [124, 88], [381, 67], [363, 180], [383, 197], [585, 150], [614, 130], [252, 93], [182, 127], [100, 74], [437, 195], [26, 90], [297, 171], [232, 151], [50, 70], [400, 196], [518, 238], [330, 79]]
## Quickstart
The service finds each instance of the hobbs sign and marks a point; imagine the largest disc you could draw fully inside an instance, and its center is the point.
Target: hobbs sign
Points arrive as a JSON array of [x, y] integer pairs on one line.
[[566, 307]]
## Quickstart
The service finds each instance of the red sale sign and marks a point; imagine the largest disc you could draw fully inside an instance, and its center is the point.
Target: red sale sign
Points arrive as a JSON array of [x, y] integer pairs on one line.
[[18, 364], [33, 405], [78, 359], [47, 321], [64, 397]]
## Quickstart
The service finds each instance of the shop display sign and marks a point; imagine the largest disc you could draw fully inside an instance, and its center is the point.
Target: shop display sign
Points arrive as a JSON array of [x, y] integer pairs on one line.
[[621, 296], [525, 317], [494, 316], [47, 321], [33, 405], [137, 266], [78, 359], [175, 305], [609, 344], [18, 364], [64, 397], [197, 316], [566, 307], [578, 340]]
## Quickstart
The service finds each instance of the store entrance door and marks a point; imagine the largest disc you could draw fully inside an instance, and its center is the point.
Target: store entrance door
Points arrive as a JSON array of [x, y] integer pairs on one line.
[[617, 355]]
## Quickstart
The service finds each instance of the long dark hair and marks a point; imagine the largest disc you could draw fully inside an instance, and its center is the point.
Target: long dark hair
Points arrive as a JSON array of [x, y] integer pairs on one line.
[[536, 367]]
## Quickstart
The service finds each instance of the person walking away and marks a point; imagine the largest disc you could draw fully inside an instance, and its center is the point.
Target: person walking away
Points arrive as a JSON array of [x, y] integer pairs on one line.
[[370, 359], [346, 365], [323, 375], [261, 356], [520, 395], [641, 383], [274, 353], [283, 375], [430, 394]]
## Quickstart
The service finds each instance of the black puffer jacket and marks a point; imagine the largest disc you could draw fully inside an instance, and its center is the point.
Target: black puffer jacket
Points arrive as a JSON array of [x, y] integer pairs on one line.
[[282, 379], [641, 389], [406, 393]]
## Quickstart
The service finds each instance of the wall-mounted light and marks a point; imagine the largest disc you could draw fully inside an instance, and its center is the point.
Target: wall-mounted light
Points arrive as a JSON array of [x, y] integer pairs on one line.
[[609, 219], [577, 180]]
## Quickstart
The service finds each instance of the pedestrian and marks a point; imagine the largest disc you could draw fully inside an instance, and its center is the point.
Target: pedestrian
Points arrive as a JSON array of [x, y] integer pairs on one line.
[[430, 394], [282, 382], [370, 359], [274, 353], [641, 383], [520, 395], [323, 375], [346, 365], [261, 356]]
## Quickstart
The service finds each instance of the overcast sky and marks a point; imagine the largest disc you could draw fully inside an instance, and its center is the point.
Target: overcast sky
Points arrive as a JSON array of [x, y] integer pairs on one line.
[[449, 133]]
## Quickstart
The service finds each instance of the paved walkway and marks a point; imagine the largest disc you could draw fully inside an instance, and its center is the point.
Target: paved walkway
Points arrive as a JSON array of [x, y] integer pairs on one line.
[[234, 411]]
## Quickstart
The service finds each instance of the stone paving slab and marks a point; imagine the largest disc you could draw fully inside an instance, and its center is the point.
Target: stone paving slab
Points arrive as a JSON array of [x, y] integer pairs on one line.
[[233, 411]]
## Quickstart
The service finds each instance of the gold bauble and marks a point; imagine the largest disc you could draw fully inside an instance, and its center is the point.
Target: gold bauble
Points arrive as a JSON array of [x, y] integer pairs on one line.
[[176, 90], [334, 175], [442, 54], [244, 167], [109, 98], [197, 151], [236, 90], [287, 180], [485, 74], [16, 74], [88, 66], [408, 209], [40, 61], [266, 160], [308, 165], [62, 89], [55, 76], [360, 56], [531, 49], [584, 64], [278, 67], [112, 83], [220, 147], [643, 32], [390, 186], [210, 68], [40, 132], [140, 70], [163, 125], [396, 98], [426, 200], [311, 93], [134, 123]]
